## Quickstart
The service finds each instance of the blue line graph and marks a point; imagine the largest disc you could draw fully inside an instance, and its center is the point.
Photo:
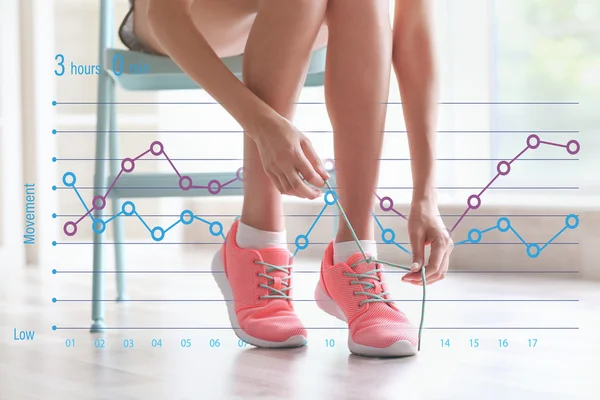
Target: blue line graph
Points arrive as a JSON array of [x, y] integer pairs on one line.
[[302, 241]]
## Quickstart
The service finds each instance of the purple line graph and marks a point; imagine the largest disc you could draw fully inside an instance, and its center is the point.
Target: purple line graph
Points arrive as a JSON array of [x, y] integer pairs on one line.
[[214, 187], [156, 149], [503, 168]]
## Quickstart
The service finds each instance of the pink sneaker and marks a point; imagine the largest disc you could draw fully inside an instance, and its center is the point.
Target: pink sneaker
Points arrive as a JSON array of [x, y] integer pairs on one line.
[[376, 327], [259, 283]]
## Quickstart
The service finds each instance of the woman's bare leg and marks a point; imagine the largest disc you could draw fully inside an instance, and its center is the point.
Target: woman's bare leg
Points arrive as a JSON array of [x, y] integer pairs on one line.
[[357, 84], [276, 38], [275, 63]]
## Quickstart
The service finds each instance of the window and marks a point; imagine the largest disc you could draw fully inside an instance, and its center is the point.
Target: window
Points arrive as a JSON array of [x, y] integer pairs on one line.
[[548, 50]]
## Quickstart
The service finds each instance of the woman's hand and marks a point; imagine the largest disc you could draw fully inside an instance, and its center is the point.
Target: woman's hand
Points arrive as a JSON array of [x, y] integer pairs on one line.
[[425, 227], [286, 153]]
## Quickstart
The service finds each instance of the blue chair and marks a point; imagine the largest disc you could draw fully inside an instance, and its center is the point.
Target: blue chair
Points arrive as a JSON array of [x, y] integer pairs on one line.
[[160, 73]]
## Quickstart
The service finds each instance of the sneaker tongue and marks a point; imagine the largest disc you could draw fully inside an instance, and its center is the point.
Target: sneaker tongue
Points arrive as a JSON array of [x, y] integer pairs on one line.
[[276, 256]]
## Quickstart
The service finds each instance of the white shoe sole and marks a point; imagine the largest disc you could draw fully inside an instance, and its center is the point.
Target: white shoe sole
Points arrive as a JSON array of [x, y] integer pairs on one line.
[[219, 274], [402, 348]]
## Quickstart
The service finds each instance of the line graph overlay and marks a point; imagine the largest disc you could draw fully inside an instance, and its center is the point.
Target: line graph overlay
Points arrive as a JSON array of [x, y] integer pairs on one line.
[[474, 201], [302, 241]]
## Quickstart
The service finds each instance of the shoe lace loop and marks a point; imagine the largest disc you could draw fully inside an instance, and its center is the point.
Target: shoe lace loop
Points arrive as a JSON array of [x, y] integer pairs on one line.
[[275, 293]]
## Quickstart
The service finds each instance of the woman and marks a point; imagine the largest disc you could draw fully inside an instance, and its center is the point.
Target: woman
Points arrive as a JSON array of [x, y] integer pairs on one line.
[[277, 38]]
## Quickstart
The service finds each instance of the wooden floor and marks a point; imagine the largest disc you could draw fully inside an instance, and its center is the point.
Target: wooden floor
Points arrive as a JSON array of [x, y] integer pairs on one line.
[[66, 364]]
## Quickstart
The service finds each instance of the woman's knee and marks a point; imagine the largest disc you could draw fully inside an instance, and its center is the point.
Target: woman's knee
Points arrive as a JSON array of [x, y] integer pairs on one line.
[[365, 10], [298, 8]]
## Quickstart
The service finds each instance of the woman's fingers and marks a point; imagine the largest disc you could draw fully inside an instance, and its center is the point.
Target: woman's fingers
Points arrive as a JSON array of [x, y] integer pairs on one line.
[[315, 161], [308, 172], [438, 250], [299, 187], [439, 260]]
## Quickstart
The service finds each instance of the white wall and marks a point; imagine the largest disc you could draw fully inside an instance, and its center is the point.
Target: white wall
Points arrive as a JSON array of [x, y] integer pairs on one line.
[[11, 189]]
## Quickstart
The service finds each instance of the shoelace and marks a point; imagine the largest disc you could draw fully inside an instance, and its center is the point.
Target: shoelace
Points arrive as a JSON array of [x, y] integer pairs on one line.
[[372, 274], [273, 292]]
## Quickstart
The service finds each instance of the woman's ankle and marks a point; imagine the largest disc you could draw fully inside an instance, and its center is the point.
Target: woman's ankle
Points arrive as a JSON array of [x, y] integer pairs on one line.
[[249, 237], [362, 232]]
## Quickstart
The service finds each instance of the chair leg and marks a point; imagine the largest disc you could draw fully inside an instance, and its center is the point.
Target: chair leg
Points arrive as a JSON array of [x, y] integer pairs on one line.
[[117, 203], [102, 125]]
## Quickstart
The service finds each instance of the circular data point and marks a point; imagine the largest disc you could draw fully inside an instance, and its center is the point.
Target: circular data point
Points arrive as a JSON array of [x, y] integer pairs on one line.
[[330, 197], [503, 167], [386, 203], [329, 165], [301, 242], [128, 208], [158, 234], [54, 188], [54, 131], [54, 103], [572, 221], [127, 165], [503, 224], [54, 243], [99, 202], [156, 148], [474, 201], [69, 179], [474, 236], [215, 228], [239, 174], [53, 272], [186, 217], [388, 236], [214, 187], [533, 250], [573, 147], [54, 299], [98, 226], [70, 228], [54, 215], [53, 327], [185, 183], [53, 159], [533, 141]]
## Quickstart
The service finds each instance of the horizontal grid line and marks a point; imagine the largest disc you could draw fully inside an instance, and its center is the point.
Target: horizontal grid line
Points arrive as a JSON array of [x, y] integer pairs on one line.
[[311, 272], [313, 328], [313, 300]]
